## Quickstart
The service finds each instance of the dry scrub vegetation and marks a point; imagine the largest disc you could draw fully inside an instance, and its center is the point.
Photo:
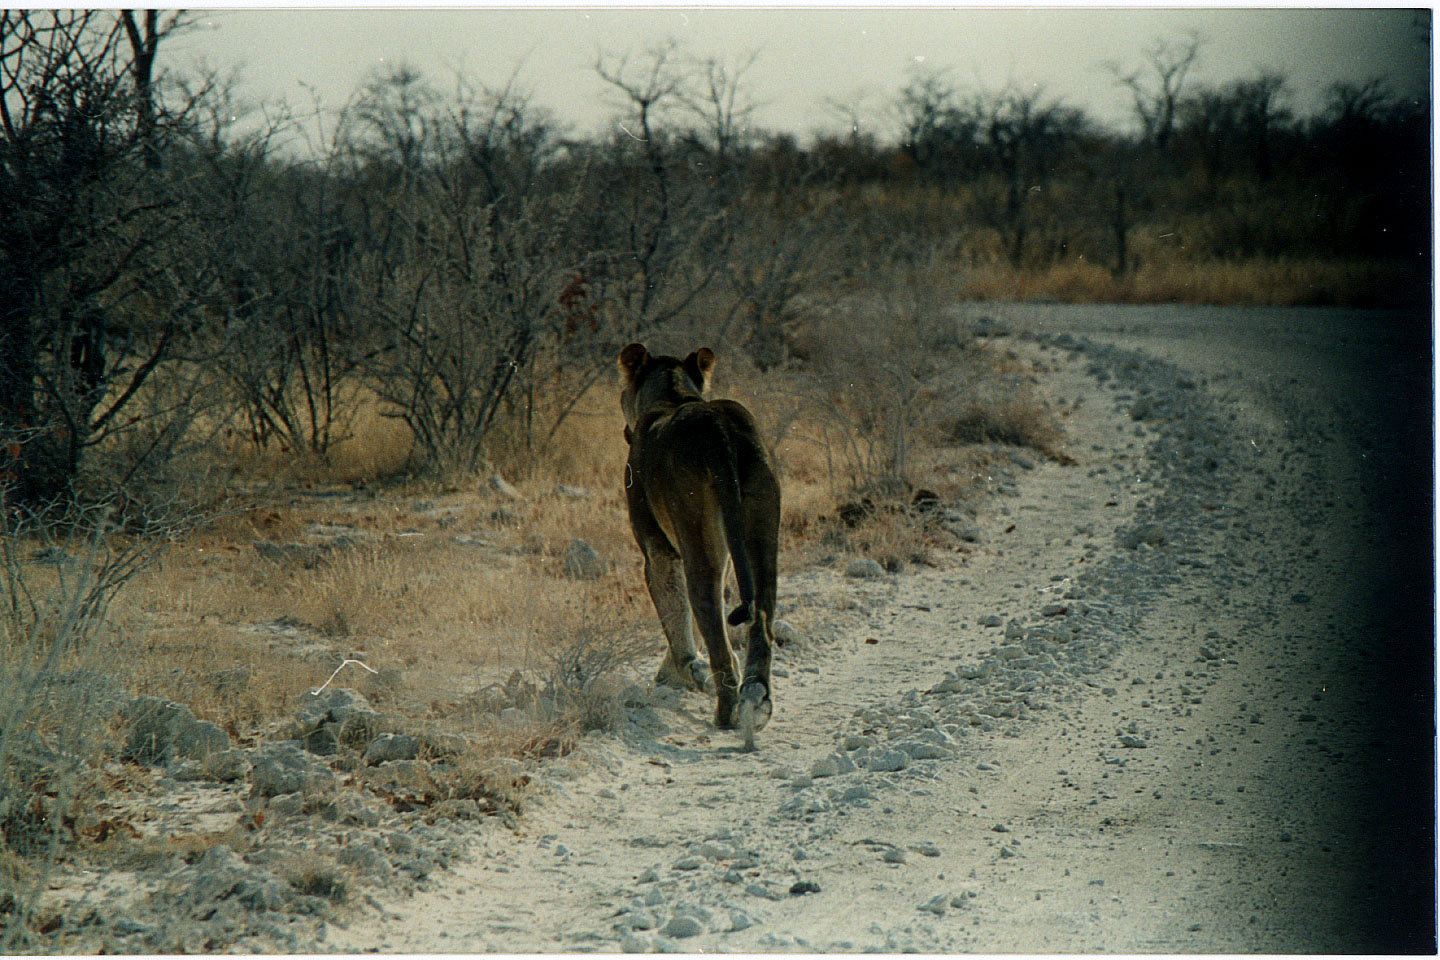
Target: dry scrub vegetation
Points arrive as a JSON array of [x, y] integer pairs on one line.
[[1259, 282]]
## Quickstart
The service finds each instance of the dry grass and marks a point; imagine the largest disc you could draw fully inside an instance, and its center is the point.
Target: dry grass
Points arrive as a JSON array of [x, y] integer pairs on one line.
[[1256, 282], [407, 596], [1193, 257], [149, 852], [1013, 421], [317, 875], [837, 505], [447, 592], [374, 446], [58, 695]]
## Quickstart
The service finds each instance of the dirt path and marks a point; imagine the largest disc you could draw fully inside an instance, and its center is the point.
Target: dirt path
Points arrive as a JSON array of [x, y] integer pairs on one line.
[[1178, 700]]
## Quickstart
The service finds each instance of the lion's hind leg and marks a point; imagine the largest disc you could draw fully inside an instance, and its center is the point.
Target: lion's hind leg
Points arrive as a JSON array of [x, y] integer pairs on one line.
[[762, 524], [706, 590], [755, 707], [695, 675], [665, 577]]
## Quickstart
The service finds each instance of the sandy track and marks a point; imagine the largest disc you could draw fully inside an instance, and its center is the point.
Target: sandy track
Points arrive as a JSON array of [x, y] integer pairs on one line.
[[1202, 723]]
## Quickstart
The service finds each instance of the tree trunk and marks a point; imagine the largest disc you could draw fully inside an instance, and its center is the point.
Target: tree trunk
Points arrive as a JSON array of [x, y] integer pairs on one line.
[[1121, 226], [143, 47], [31, 464]]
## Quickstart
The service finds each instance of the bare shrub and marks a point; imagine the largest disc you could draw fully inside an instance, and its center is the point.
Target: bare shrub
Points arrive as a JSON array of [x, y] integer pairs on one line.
[[586, 672], [783, 250], [163, 454], [58, 697], [1000, 407], [318, 875], [895, 535], [461, 312], [872, 367], [105, 271], [1015, 421]]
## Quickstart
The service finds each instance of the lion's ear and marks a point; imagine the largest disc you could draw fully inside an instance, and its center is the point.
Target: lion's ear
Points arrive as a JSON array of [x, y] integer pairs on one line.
[[699, 365], [632, 358]]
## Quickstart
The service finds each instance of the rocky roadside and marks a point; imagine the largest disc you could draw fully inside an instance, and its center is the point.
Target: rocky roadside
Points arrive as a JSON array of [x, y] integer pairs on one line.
[[320, 810]]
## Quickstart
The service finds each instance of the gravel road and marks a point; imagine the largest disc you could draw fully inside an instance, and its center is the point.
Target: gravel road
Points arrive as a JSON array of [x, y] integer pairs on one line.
[[1178, 699]]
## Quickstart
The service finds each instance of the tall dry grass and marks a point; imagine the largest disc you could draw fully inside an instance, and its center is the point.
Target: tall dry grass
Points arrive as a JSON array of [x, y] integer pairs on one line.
[[1254, 282], [1247, 246], [448, 596], [373, 446]]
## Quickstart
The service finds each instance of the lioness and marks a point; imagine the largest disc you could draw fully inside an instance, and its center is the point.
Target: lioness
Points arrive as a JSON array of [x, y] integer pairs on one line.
[[701, 489]]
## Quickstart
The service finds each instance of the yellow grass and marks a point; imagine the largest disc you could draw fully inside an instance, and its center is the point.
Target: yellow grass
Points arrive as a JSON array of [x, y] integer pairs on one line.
[[375, 445], [449, 616], [1259, 282]]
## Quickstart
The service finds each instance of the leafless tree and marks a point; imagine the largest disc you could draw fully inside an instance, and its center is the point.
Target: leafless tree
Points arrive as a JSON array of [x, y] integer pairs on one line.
[[932, 125], [144, 34], [1158, 87], [81, 135], [720, 101], [501, 137], [277, 237], [1236, 124], [395, 118], [1025, 137], [457, 280], [783, 250], [655, 232], [648, 88], [855, 112], [1262, 114], [652, 237], [460, 311]]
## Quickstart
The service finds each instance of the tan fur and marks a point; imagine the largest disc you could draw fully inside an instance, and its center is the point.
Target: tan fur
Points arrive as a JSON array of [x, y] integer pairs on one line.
[[702, 496]]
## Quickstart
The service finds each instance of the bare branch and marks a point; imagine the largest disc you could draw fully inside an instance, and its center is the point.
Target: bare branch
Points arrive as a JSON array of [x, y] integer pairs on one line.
[[716, 100], [1156, 89]]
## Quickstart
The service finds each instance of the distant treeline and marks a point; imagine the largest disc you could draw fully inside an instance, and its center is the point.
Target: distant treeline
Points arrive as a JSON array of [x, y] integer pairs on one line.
[[174, 273], [1224, 172]]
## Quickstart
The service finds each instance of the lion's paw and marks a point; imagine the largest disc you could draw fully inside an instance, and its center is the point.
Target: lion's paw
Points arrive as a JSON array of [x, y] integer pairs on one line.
[[753, 712], [700, 676], [695, 675]]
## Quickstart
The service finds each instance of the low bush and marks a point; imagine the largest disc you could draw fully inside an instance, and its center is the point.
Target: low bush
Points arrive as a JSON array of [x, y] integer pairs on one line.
[[59, 694]]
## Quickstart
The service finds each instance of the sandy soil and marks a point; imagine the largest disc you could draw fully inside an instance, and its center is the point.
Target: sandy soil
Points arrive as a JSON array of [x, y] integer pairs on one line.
[[1179, 698]]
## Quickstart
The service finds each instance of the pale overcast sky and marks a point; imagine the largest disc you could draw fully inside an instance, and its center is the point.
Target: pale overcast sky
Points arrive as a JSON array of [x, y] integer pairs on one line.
[[805, 55]]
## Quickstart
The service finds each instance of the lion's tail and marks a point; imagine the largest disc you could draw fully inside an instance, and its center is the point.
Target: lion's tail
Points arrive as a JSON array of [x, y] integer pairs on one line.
[[732, 518]]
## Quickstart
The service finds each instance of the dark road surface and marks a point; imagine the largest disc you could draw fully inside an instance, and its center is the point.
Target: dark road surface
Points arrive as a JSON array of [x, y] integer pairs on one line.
[[1349, 395]]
